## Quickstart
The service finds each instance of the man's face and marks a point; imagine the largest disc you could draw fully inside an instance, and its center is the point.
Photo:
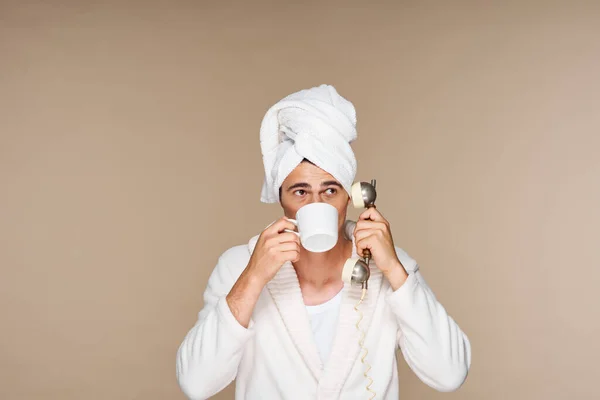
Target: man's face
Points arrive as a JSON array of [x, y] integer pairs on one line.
[[307, 184]]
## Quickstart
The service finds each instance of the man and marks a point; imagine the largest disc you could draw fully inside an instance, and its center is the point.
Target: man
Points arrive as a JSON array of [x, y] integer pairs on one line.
[[280, 320]]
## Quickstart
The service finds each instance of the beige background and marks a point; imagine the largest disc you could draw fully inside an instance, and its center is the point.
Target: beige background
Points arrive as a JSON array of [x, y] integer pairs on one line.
[[129, 160]]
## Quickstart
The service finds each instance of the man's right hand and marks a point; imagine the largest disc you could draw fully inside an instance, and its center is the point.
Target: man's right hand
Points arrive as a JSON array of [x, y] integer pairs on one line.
[[274, 247]]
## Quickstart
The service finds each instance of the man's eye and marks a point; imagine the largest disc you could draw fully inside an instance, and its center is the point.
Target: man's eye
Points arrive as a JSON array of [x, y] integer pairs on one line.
[[298, 192], [333, 190]]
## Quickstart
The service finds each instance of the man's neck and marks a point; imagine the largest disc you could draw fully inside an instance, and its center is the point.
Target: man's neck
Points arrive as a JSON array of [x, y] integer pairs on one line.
[[320, 274]]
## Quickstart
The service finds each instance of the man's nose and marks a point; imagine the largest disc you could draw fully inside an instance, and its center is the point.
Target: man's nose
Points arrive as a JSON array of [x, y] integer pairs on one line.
[[317, 198]]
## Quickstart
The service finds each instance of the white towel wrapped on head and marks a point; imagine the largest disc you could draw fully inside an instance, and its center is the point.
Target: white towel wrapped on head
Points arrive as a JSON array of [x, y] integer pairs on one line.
[[317, 124]]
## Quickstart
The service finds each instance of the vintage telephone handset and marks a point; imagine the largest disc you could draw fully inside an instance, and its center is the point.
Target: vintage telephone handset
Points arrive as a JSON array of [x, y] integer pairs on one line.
[[356, 271]]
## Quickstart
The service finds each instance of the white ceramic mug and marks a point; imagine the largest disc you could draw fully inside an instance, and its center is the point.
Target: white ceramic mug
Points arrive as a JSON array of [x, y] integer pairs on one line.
[[317, 226]]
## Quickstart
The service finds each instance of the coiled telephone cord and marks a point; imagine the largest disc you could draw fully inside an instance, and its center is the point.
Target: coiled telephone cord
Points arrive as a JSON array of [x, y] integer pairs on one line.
[[361, 342]]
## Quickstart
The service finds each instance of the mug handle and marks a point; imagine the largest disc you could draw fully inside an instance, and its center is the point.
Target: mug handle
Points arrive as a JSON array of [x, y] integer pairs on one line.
[[293, 221]]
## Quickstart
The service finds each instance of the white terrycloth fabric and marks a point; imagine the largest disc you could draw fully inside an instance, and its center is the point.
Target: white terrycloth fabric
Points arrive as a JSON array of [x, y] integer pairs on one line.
[[276, 356], [317, 124]]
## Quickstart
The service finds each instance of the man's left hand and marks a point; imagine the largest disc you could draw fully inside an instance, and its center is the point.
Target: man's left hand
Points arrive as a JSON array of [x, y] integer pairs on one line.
[[373, 232]]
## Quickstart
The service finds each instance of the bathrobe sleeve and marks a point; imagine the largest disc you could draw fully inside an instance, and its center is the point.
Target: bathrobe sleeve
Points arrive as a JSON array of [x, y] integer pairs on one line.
[[431, 342], [208, 358]]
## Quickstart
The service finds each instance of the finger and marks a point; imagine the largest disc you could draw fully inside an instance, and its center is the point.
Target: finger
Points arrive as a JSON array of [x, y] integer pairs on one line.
[[364, 243], [371, 225], [287, 237], [292, 256], [288, 246], [363, 233], [290, 252], [373, 214], [280, 225]]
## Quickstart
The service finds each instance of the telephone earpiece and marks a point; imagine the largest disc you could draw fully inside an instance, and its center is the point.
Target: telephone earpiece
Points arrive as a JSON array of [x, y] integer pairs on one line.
[[364, 194], [356, 270]]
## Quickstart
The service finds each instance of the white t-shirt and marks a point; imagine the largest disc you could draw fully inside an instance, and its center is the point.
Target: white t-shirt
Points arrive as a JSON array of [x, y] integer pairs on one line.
[[323, 320]]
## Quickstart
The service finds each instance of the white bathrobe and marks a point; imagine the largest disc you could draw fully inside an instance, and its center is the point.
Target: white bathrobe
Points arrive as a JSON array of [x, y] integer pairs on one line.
[[277, 358]]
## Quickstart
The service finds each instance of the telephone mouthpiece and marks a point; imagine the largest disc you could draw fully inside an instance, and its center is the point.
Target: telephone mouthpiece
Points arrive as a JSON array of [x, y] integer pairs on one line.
[[355, 271], [363, 194]]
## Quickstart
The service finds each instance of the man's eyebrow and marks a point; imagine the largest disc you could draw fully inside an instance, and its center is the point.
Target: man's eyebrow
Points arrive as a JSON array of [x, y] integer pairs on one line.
[[299, 185], [330, 183], [305, 185]]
